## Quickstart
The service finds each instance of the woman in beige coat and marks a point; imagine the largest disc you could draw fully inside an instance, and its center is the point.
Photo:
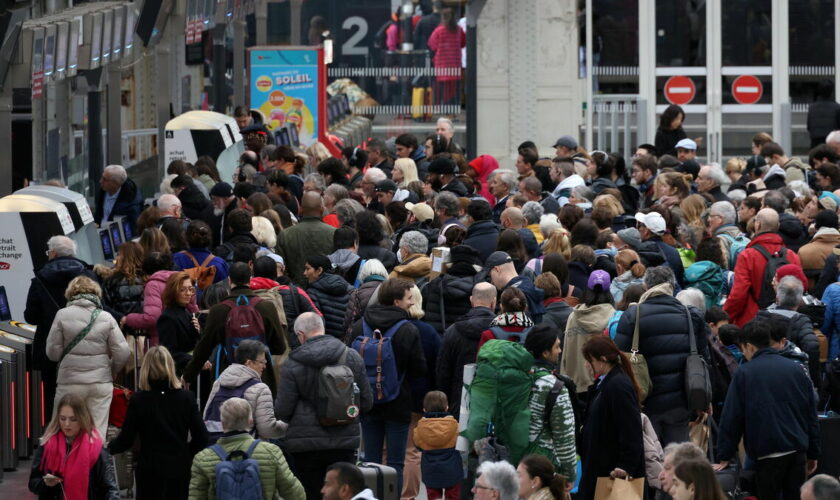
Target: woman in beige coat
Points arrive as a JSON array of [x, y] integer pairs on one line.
[[88, 346]]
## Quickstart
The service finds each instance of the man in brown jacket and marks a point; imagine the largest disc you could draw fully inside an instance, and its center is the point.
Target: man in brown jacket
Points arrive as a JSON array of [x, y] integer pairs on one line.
[[813, 255]]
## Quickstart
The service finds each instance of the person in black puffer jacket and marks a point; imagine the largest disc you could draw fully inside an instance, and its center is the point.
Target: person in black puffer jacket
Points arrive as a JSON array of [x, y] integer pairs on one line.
[[663, 340], [122, 286], [371, 235], [447, 297], [330, 292], [482, 234], [240, 246], [460, 343]]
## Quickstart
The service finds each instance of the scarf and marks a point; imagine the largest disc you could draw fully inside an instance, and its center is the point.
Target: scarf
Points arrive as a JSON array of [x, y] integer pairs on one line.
[[512, 319], [97, 302], [74, 467]]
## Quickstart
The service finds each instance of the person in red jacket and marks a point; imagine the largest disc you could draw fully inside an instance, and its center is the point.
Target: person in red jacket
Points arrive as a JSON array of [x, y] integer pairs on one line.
[[446, 42], [742, 303]]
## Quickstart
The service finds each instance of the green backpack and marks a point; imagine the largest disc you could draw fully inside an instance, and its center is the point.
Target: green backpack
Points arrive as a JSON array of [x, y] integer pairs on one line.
[[499, 395], [708, 277]]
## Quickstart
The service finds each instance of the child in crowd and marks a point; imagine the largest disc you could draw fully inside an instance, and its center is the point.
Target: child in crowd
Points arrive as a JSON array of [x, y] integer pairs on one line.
[[716, 317], [436, 434], [728, 335]]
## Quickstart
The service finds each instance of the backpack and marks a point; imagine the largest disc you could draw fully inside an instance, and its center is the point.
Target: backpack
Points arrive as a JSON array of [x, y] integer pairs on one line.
[[767, 295], [377, 352], [502, 334], [213, 413], [202, 274], [736, 246], [358, 282], [239, 479], [273, 297], [499, 395], [832, 385], [337, 396], [244, 322], [708, 278]]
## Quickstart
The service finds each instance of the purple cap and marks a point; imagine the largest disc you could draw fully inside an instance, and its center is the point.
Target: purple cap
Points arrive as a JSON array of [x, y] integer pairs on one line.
[[599, 277]]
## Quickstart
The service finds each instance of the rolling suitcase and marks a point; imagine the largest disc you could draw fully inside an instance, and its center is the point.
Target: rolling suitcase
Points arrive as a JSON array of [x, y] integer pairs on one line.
[[829, 461], [381, 479]]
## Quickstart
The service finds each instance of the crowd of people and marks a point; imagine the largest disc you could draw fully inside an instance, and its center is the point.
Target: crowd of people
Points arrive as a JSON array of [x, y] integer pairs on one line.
[[527, 333]]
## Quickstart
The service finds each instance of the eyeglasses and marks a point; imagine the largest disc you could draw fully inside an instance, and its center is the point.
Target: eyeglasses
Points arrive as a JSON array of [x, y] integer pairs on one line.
[[189, 290]]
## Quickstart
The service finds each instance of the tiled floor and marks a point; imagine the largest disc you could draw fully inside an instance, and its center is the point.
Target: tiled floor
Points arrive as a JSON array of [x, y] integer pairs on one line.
[[15, 483]]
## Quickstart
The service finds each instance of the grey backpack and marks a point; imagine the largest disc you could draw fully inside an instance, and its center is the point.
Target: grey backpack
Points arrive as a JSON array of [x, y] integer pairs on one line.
[[337, 399]]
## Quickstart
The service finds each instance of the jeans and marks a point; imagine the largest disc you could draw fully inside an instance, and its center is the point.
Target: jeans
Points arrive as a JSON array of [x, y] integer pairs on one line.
[[780, 477], [377, 431], [310, 467]]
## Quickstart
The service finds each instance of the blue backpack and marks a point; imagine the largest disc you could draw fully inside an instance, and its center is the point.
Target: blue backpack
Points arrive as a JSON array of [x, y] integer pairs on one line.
[[238, 479], [377, 351], [213, 415]]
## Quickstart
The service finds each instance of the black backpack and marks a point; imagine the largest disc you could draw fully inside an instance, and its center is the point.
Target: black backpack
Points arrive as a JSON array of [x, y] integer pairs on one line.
[[776, 260]]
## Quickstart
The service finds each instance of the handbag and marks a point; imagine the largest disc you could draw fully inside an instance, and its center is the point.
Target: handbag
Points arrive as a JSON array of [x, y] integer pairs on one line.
[[698, 433], [698, 385], [81, 335], [638, 362], [608, 488]]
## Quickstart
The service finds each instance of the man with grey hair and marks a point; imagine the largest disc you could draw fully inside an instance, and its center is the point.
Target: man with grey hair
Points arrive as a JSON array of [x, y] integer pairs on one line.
[[46, 297], [315, 182], [498, 477], [446, 129], [501, 184], [693, 297], [833, 140], [532, 211], [118, 195], [563, 172], [749, 293], [709, 180], [531, 187], [798, 327], [460, 343], [372, 176], [721, 222], [676, 453], [169, 206], [276, 478], [447, 210], [315, 447], [664, 341], [820, 487], [414, 265], [346, 211]]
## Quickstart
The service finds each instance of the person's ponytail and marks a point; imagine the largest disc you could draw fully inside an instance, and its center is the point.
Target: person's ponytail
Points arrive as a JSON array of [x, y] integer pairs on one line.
[[557, 486]]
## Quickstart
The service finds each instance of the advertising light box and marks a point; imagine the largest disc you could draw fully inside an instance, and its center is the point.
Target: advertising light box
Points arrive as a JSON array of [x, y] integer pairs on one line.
[[62, 41]]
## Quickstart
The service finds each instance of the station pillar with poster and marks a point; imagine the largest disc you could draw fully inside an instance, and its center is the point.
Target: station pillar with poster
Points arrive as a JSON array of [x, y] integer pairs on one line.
[[288, 85]]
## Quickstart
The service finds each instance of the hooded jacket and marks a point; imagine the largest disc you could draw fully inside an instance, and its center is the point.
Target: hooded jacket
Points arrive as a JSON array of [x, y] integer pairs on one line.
[[347, 263], [793, 233], [621, 283], [774, 178], [415, 268], [800, 331], [742, 302], [46, 297], [330, 294], [600, 184], [483, 235], [484, 165], [129, 203], [813, 255], [298, 385], [408, 353], [193, 202], [153, 306], [533, 294], [555, 438], [584, 323], [459, 348], [447, 298], [258, 396], [92, 360], [557, 312], [357, 303]]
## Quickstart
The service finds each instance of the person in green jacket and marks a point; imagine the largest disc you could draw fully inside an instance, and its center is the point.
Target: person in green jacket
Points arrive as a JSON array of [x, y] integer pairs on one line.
[[551, 432], [276, 478], [308, 237]]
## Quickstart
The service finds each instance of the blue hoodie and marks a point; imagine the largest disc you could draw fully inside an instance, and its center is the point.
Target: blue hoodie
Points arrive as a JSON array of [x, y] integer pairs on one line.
[[534, 295]]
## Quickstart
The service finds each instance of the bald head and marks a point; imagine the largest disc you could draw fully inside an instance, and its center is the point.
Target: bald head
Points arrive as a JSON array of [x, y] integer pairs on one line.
[[483, 295], [767, 221], [169, 204], [512, 218], [311, 204]]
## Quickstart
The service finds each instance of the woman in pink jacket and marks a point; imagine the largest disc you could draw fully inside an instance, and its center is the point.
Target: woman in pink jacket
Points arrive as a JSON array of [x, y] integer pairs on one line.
[[158, 266], [446, 42]]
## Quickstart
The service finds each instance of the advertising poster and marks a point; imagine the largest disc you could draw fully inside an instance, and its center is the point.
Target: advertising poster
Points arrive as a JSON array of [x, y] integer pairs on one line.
[[285, 86]]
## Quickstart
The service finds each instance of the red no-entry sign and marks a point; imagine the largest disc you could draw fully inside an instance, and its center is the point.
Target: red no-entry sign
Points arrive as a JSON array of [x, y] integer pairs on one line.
[[680, 90], [747, 89]]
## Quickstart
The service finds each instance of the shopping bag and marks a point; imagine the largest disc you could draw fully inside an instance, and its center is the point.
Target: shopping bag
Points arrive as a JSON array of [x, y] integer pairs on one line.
[[619, 489], [698, 433]]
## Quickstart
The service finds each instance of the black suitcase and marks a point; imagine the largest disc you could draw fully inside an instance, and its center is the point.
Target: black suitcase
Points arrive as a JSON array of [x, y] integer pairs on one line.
[[381, 479], [829, 461]]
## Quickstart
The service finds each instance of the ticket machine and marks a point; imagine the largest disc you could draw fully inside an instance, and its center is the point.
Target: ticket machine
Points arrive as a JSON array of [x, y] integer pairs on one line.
[[85, 234], [21, 337], [8, 409], [27, 222]]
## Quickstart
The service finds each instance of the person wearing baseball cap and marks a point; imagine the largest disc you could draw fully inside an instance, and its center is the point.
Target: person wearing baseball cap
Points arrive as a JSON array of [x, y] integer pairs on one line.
[[589, 319], [651, 228], [385, 191], [420, 218], [686, 149], [565, 146], [442, 177], [499, 268]]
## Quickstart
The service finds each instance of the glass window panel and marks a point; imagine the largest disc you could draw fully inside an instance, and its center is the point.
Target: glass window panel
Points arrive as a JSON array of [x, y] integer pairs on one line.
[[680, 33], [746, 32]]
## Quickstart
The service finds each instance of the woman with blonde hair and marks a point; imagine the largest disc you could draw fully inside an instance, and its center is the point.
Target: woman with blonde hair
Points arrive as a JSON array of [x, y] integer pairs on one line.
[[734, 168], [88, 345], [167, 421], [404, 173], [71, 462], [671, 187], [629, 271], [557, 242], [692, 209]]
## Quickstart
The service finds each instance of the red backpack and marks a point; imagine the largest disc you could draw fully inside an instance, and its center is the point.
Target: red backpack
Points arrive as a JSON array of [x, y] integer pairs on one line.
[[244, 322]]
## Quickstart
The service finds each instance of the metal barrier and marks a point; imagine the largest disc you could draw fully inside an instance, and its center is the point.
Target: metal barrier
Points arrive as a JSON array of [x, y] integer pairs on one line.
[[619, 123]]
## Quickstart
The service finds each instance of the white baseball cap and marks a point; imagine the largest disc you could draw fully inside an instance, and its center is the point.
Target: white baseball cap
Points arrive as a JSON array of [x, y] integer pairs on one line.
[[686, 144], [653, 221]]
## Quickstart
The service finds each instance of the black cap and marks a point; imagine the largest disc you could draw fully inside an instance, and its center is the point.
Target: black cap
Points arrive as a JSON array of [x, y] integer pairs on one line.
[[442, 166], [689, 167], [826, 218], [465, 253], [222, 189], [386, 186], [497, 258]]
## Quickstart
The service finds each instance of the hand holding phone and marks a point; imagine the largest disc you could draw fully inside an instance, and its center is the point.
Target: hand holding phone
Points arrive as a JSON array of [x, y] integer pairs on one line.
[[51, 480]]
